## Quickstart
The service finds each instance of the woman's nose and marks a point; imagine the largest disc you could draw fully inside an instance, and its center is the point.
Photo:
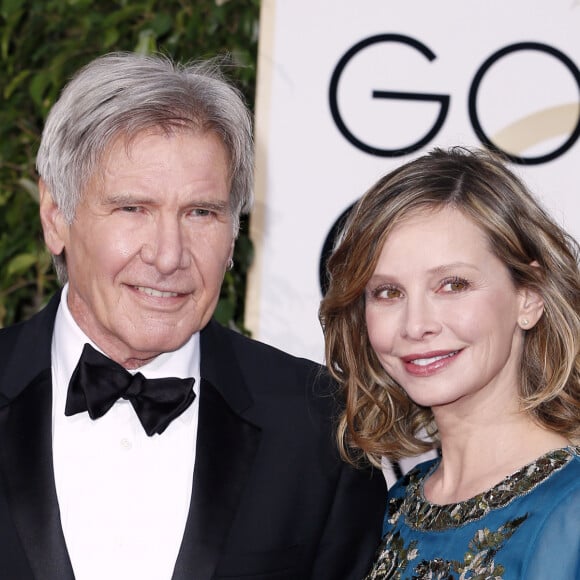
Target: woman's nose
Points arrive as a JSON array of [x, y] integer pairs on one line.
[[420, 318]]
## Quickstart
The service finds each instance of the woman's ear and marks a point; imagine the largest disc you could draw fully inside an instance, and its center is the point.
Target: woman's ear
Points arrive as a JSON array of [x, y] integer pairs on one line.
[[54, 226], [531, 306]]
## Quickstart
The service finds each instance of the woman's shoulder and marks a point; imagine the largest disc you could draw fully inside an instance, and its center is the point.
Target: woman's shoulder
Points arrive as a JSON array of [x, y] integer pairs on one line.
[[564, 471], [413, 477], [556, 536]]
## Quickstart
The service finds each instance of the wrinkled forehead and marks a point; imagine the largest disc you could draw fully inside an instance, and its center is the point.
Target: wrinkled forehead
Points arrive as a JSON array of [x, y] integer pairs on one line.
[[128, 142]]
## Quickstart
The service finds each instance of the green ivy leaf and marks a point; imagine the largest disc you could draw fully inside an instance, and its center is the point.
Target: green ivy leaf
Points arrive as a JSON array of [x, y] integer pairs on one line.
[[20, 264], [224, 311], [146, 43], [31, 187], [38, 85], [15, 83]]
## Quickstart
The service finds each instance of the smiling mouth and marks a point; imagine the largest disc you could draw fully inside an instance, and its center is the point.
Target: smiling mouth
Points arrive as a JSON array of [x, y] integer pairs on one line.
[[423, 362], [156, 293]]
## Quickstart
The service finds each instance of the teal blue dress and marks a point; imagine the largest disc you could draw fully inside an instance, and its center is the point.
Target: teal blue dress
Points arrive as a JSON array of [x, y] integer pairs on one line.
[[527, 527]]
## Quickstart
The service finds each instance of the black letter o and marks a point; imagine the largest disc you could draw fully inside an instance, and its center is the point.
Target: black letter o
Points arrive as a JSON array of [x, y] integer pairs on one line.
[[567, 62]]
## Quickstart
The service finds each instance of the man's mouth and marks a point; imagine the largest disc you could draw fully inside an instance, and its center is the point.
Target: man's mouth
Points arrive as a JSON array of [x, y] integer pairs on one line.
[[156, 293]]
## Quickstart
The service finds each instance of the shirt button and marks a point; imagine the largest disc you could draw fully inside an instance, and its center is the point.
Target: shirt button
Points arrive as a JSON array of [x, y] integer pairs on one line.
[[126, 444]]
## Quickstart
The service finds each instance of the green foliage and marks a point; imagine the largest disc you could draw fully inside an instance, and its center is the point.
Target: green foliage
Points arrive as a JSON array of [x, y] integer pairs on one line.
[[42, 43]]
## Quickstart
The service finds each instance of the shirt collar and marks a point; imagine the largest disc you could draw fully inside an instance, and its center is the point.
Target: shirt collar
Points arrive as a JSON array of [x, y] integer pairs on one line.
[[69, 340]]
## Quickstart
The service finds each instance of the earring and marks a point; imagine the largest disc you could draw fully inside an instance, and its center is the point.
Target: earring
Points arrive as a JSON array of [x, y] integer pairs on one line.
[[524, 322], [230, 265]]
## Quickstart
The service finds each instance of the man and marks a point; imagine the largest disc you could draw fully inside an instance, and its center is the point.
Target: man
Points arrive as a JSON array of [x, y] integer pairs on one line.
[[145, 167]]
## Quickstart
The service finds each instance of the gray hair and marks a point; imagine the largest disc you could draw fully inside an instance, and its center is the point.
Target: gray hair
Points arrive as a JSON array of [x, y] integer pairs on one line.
[[121, 95]]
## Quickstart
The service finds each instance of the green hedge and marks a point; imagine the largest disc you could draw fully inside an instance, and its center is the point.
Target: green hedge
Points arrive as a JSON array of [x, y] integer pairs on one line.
[[42, 43]]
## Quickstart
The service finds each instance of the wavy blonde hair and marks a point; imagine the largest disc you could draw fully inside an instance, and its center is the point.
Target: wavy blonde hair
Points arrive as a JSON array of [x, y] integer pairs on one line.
[[379, 418]]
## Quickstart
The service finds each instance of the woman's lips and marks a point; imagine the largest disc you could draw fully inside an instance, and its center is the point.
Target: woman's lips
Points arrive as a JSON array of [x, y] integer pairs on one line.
[[425, 364]]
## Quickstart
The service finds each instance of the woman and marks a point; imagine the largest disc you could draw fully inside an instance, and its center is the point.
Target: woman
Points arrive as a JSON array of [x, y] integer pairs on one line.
[[452, 322]]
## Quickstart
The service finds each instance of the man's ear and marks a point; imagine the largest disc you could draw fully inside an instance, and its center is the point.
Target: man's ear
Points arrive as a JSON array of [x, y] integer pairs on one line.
[[531, 306], [53, 223]]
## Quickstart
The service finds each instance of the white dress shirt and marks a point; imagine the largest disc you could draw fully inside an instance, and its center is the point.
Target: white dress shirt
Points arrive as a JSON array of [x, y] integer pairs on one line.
[[123, 496]]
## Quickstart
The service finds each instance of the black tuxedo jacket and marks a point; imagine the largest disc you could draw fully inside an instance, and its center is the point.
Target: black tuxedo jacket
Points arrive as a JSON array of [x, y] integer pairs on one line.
[[270, 498]]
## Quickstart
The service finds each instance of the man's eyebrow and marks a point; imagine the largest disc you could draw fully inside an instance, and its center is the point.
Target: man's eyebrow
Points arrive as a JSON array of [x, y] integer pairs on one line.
[[126, 199], [129, 199], [218, 206]]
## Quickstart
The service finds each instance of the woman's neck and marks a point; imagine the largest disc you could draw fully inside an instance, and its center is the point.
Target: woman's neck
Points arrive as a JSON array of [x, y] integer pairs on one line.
[[478, 454]]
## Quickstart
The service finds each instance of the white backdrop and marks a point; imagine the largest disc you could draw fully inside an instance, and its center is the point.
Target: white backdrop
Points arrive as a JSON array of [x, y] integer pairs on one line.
[[348, 90]]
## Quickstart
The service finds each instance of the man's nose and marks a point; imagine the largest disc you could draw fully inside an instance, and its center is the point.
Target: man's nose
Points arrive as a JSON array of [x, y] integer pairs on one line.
[[167, 248]]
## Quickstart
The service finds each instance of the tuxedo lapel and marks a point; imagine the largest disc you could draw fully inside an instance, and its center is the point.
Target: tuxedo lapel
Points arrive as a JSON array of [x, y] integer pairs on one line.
[[226, 447], [27, 472]]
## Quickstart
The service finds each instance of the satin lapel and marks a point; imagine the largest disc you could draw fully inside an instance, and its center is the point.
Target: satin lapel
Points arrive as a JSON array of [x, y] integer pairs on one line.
[[27, 472], [226, 448]]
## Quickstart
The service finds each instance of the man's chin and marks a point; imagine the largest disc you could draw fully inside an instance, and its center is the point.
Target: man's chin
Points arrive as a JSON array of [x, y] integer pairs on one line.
[[153, 348], [146, 344]]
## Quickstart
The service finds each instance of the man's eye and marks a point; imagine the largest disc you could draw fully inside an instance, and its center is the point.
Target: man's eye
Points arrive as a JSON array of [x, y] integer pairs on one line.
[[201, 212], [130, 209]]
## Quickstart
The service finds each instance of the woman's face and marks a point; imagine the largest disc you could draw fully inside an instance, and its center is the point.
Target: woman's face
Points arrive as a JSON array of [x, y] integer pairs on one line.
[[443, 314]]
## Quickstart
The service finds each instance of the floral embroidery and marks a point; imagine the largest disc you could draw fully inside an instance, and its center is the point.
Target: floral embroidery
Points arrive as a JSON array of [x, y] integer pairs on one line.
[[394, 559], [397, 561], [420, 514], [478, 564]]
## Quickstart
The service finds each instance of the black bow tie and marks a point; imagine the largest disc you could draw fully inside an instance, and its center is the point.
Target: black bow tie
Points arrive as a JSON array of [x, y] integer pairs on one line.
[[98, 382]]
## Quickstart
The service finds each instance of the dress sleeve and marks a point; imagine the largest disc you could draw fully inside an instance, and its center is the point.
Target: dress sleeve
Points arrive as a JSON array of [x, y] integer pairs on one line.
[[555, 551]]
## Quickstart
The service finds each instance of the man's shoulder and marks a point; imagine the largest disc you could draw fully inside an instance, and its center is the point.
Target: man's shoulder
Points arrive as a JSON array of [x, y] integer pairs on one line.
[[39, 325], [25, 348], [263, 365], [246, 346], [10, 338]]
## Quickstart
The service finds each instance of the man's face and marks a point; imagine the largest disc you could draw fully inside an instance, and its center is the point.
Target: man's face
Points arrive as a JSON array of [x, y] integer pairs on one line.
[[149, 245]]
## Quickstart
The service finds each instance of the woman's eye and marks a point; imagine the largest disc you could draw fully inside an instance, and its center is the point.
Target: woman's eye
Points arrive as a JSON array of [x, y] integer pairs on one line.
[[454, 285], [387, 293]]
